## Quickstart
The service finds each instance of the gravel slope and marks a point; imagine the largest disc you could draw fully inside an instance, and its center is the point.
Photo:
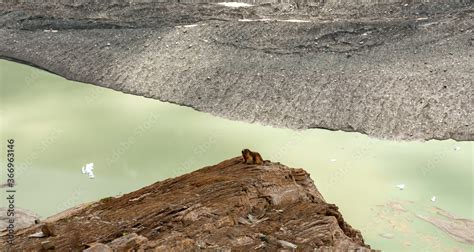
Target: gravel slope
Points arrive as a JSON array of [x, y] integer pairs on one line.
[[394, 70]]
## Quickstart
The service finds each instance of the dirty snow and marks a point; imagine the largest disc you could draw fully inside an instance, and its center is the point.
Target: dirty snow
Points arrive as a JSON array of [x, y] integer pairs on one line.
[[235, 4]]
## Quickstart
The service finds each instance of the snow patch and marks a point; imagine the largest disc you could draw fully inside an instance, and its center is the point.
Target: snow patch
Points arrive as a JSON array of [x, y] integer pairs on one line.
[[277, 20], [294, 21], [254, 20], [235, 4]]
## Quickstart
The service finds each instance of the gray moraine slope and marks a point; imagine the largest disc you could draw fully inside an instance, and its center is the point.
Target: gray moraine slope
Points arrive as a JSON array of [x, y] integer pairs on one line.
[[391, 69]]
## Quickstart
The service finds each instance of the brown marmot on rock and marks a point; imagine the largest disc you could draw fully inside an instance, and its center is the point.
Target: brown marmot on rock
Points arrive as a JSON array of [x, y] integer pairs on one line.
[[251, 157]]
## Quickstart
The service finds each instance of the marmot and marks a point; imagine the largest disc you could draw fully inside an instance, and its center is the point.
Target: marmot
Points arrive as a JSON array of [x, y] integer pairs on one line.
[[251, 157]]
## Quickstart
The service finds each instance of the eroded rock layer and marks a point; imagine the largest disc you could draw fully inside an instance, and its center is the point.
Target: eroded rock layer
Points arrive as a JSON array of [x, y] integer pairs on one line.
[[231, 205]]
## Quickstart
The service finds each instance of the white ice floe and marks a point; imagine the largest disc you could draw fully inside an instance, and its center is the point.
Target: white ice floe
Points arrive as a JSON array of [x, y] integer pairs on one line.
[[235, 4], [333, 160], [88, 170], [457, 148], [433, 198], [387, 235], [401, 186]]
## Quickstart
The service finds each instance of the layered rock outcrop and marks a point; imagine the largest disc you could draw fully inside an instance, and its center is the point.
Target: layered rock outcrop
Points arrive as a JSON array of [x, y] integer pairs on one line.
[[230, 205]]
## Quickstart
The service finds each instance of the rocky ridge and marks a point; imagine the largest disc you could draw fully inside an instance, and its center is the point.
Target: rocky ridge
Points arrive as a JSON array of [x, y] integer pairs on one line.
[[230, 205]]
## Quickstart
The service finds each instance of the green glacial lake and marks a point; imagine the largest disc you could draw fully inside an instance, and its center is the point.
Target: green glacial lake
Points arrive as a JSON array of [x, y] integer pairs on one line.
[[59, 126]]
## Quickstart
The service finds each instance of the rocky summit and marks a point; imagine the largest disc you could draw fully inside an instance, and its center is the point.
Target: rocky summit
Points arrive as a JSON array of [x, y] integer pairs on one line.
[[228, 206]]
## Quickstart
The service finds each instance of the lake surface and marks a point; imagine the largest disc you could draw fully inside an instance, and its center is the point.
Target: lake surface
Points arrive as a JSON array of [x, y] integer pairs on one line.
[[59, 126]]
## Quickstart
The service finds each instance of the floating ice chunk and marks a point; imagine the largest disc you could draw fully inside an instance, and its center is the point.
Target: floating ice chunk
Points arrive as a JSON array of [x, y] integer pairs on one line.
[[433, 198], [457, 148], [387, 235], [333, 160], [235, 4], [401, 186], [88, 170]]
